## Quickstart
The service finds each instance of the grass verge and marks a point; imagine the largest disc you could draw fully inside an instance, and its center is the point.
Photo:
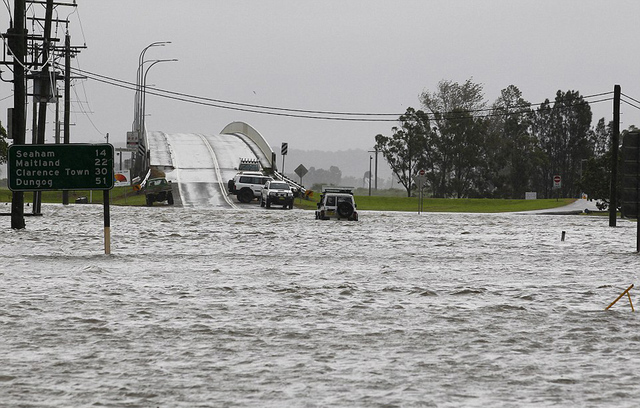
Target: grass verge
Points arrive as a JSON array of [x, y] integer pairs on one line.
[[468, 205], [125, 196], [118, 196]]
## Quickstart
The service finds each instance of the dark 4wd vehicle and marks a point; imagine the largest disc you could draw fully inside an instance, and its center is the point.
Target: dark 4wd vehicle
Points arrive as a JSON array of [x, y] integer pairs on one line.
[[158, 189], [337, 203], [276, 192], [247, 186]]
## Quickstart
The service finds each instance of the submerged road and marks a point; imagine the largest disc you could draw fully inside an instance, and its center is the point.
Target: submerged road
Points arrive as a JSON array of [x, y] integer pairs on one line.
[[201, 164]]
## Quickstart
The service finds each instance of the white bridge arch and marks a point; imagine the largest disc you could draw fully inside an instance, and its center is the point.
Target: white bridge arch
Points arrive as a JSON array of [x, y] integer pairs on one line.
[[201, 165]]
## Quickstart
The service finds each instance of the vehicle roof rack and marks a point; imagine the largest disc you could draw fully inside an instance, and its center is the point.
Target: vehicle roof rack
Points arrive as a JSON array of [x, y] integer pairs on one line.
[[337, 189]]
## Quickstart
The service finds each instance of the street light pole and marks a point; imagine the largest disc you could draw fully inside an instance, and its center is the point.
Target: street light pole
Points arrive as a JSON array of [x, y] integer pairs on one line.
[[370, 158], [138, 96], [376, 168], [143, 128]]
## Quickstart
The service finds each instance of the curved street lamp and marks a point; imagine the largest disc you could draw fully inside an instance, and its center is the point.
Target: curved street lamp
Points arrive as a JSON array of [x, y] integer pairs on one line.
[[143, 128], [138, 96], [144, 89]]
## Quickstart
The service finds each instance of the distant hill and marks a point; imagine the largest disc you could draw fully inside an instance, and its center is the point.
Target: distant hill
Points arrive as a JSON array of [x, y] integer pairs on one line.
[[352, 163]]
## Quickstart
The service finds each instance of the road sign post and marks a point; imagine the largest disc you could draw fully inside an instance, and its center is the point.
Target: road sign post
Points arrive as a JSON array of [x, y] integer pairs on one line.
[[301, 171], [631, 179], [420, 179], [283, 151], [51, 167]]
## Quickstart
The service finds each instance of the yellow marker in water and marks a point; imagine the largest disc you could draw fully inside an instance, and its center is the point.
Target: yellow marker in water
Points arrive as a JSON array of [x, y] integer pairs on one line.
[[621, 295]]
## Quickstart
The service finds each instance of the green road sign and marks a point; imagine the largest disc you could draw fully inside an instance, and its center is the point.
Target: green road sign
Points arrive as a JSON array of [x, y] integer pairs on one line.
[[61, 167], [631, 175]]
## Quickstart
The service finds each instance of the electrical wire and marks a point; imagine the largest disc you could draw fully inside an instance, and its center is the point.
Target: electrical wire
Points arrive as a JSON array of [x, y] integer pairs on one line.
[[209, 102], [630, 104], [313, 114], [85, 113], [6, 3], [627, 96], [179, 94]]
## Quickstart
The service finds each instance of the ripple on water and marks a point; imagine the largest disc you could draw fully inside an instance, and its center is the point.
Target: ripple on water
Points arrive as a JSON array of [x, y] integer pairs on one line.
[[199, 309]]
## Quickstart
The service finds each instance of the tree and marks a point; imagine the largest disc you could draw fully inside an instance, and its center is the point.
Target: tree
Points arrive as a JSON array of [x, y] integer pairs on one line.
[[512, 151], [4, 146], [595, 180], [456, 143], [333, 176], [404, 148], [563, 132]]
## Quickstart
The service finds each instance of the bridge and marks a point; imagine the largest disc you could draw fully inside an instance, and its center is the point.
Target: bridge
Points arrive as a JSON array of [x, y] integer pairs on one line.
[[201, 165]]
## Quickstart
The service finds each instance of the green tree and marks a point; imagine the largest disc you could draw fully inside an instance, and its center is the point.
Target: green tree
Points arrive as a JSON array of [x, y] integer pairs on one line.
[[595, 180], [563, 132], [403, 149], [4, 145], [456, 143], [514, 154]]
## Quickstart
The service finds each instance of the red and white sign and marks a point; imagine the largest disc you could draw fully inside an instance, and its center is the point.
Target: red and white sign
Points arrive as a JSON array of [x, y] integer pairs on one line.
[[420, 178], [557, 181]]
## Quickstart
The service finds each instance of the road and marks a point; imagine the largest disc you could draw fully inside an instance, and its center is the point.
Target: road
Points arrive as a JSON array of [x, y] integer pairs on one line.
[[200, 164]]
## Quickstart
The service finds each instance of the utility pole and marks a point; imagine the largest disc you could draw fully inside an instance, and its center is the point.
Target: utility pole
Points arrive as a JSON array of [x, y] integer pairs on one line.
[[18, 44], [45, 92], [375, 183], [67, 100], [615, 138], [370, 158]]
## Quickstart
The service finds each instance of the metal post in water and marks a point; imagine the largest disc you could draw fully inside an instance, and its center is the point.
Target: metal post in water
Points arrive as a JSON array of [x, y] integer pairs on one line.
[[107, 223]]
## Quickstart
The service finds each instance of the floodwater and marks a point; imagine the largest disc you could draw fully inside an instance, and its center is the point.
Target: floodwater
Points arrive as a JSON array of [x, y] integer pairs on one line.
[[272, 308]]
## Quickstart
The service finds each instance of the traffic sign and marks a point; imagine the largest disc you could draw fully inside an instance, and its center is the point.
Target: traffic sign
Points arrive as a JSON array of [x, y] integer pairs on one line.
[[422, 172], [284, 149], [557, 181], [631, 175], [60, 167], [301, 171], [132, 140]]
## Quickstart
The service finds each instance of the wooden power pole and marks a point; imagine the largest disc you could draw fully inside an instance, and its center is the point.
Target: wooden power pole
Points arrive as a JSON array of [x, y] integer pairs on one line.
[[18, 44], [615, 141]]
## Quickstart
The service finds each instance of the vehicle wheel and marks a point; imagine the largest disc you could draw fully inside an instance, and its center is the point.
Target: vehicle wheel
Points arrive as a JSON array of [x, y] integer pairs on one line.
[[261, 202], [149, 200], [291, 205], [268, 203], [345, 209], [170, 198], [245, 195], [230, 186]]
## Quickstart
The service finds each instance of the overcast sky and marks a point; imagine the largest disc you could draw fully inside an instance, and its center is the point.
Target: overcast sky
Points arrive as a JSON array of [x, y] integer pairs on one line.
[[339, 55]]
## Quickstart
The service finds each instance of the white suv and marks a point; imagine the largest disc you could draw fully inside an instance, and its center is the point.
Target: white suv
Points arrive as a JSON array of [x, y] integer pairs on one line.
[[248, 186], [337, 203], [276, 192]]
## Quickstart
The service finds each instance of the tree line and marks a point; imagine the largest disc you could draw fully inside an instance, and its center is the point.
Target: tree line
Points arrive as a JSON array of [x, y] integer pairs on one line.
[[470, 149]]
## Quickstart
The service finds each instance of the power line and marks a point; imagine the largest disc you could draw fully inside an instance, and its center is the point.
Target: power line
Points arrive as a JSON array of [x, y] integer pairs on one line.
[[217, 104], [630, 104], [244, 104], [330, 115], [627, 96]]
